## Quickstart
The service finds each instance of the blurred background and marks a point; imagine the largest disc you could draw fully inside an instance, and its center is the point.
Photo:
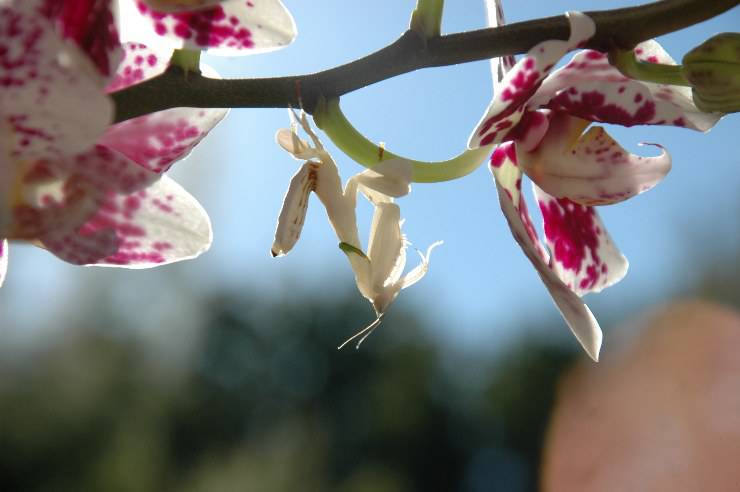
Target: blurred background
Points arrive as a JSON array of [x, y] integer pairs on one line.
[[222, 373]]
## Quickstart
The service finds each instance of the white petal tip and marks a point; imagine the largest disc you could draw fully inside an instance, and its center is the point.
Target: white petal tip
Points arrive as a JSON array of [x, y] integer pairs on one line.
[[593, 348]]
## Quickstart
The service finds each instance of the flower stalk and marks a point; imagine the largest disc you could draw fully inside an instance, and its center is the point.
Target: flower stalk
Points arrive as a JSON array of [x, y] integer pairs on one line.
[[330, 118], [627, 63], [187, 60], [426, 19]]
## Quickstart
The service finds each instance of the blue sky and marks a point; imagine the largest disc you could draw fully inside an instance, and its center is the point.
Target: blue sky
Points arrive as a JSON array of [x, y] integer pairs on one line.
[[479, 283]]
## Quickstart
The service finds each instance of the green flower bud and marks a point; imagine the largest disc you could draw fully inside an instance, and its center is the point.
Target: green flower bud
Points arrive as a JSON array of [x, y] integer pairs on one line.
[[713, 70]]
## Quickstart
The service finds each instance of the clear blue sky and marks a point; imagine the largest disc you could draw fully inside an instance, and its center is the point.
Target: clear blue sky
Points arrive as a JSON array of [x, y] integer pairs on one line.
[[479, 282]]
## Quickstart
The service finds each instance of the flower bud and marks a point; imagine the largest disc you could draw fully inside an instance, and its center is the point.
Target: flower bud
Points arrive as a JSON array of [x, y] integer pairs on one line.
[[713, 70]]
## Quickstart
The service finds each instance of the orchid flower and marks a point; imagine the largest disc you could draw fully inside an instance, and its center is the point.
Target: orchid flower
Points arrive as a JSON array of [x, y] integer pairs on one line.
[[89, 192], [540, 117], [379, 271], [228, 27]]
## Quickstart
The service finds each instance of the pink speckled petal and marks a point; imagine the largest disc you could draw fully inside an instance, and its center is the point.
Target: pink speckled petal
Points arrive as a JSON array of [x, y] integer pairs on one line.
[[158, 225], [157, 140], [508, 178], [148, 219], [139, 63], [104, 170], [93, 218], [590, 88], [91, 25], [589, 168], [51, 102], [678, 96], [583, 254], [57, 226], [576, 314], [61, 196], [80, 249], [180, 5], [3, 260], [233, 27], [522, 82]]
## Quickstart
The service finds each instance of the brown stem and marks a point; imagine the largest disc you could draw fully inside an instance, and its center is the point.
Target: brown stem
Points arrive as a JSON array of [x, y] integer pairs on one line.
[[621, 28]]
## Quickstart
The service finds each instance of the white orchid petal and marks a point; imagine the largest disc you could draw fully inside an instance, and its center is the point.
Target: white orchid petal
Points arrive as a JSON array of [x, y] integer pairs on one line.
[[231, 27], [576, 314], [3, 260], [293, 213], [589, 168], [522, 82]]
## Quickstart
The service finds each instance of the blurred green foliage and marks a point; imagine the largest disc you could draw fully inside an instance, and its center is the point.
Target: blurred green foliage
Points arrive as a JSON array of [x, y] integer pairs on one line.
[[259, 399], [265, 402]]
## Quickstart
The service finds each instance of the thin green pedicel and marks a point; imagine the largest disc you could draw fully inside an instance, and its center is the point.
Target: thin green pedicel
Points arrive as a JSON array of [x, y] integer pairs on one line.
[[329, 117]]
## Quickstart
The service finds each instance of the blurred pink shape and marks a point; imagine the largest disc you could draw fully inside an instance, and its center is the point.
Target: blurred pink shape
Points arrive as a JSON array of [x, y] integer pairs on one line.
[[661, 413]]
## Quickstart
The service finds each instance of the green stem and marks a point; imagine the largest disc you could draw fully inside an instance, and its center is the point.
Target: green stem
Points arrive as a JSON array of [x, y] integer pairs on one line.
[[629, 65], [329, 117], [426, 19], [188, 60]]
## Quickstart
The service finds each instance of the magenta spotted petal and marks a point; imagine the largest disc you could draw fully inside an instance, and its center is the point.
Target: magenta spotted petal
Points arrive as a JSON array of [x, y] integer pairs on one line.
[[583, 254], [589, 168], [91, 25], [51, 102], [522, 81], [80, 249], [99, 206], [576, 314], [592, 89], [233, 27], [54, 198], [155, 226], [104, 169], [139, 63], [679, 96], [157, 140]]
